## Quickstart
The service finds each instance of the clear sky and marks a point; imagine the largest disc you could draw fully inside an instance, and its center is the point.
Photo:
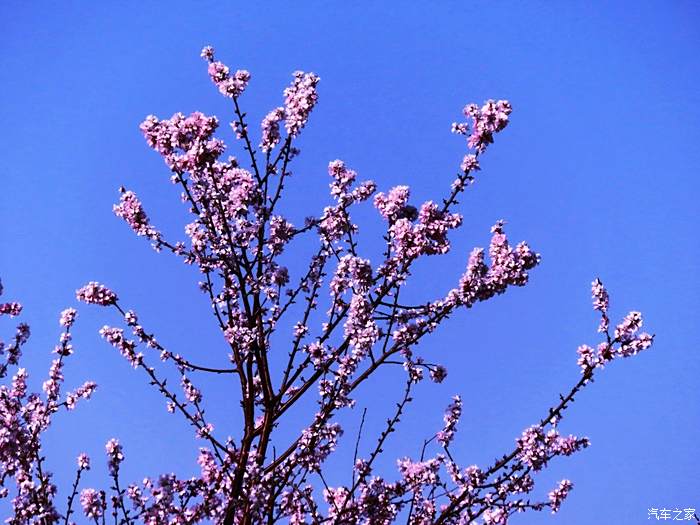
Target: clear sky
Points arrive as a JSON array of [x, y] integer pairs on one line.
[[598, 171]]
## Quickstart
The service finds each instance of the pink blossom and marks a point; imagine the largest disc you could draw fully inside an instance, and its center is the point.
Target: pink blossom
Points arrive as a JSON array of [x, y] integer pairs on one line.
[[281, 233], [96, 293], [559, 494], [587, 358], [451, 418], [192, 394], [68, 317], [536, 447], [115, 337], [351, 272], [299, 100], [131, 210], [419, 473], [438, 373], [230, 85], [469, 163], [84, 462], [11, 309], [495, 516], [207, 53], [271, 129], [115, 456], [491, 118], [393, 205], [343, 178], [629, 326], [93, 503], [84, 392]]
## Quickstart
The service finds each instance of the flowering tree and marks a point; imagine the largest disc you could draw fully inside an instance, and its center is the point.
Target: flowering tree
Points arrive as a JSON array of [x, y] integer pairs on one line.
[[235, 240]]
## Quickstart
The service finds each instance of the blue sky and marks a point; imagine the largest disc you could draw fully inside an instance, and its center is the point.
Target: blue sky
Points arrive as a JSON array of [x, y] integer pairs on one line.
[[598, 171]]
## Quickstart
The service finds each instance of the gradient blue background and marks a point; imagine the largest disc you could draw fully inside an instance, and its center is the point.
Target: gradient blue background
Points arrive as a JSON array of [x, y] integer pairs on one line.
[[598, 171]]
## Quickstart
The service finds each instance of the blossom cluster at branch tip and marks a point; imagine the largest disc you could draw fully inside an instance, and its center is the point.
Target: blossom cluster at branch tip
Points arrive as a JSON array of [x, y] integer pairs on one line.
[[230, 85], [509, 267], [419, 473], [343, 180], [115, 456], [85, 391], [393, 206], [68, 317], [559, 494], [11, 309], [335, 222], [93, 503], [299, 100], [438, 373], [185, 142], [600, 303], [626, 341], [451, 418], [271, 129], [131, 210], [486, 121], [84, 462], [96, 293]]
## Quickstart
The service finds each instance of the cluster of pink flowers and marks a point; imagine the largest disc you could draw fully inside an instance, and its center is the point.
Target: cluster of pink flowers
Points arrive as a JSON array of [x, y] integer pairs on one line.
[[509, 267], [299, 100], [281, 233], [96, 293], [230, 85], [487, 120], [115, 337], [426, 237], [600, 303], [184, 142], [469, 163], [85, 392], [351, 272], [393, 206], [131, 210], [115, 455], [341, 185], [11, 309], [192, 393], [537, 447], [93, 503], [559, 494], [625, 341], [68, 317], [271, 129], [452, 415], [84, 462], [335, 222]]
